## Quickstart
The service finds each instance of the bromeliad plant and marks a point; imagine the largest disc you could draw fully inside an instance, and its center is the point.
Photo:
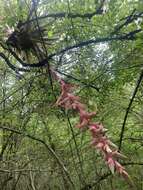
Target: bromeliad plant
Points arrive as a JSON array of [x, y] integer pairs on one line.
[[100, 141], [27, 39]]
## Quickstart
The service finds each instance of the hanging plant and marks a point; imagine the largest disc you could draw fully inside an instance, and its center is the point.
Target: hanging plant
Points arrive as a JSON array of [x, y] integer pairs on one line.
[[100, 141]]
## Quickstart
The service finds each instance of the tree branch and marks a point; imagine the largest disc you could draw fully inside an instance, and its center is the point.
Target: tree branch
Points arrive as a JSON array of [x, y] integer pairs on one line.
[[61, 15], [129, 107], [16, 69], [128, 36], [133, 163], [78, 80], [101, 178], [128, 20]]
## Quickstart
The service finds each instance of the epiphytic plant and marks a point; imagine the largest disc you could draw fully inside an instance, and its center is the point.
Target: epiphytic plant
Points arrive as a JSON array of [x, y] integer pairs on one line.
[[100, 141]]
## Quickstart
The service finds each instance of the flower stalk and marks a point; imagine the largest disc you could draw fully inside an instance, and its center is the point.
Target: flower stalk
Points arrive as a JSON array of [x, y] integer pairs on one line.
[[100, 141]]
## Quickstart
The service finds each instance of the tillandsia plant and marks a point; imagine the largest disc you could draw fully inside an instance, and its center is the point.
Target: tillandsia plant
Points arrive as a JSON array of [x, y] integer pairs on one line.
[[100, 141], [27, 40]]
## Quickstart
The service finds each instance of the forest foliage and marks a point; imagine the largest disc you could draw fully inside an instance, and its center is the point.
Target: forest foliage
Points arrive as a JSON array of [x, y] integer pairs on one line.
[[94, 46]]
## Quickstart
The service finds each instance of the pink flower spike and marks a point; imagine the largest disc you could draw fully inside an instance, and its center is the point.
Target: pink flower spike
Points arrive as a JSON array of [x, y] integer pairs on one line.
[[125, 175], [111, 164], [84, 118], [93, 126], [68, 100], [65, 86], [78, 106], [107, 148], [99, 146], [92, 114], [86, 115], [112, 144], [82, 124], [54, 74], [119, 167], [97, 129]]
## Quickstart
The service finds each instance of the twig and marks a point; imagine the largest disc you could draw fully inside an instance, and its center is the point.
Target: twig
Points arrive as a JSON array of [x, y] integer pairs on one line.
[[76, 79], [133, 163]]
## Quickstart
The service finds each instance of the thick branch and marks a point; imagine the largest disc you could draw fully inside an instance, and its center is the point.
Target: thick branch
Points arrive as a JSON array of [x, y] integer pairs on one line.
[[60, 15], [10, 65], [128, 36], [68, 15], [98, 11]]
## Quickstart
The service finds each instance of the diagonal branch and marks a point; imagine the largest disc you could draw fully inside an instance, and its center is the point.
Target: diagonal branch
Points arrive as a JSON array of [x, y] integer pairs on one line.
[[128, 36], [128, 20], [129, 107], [78, 80], [94, 183]]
